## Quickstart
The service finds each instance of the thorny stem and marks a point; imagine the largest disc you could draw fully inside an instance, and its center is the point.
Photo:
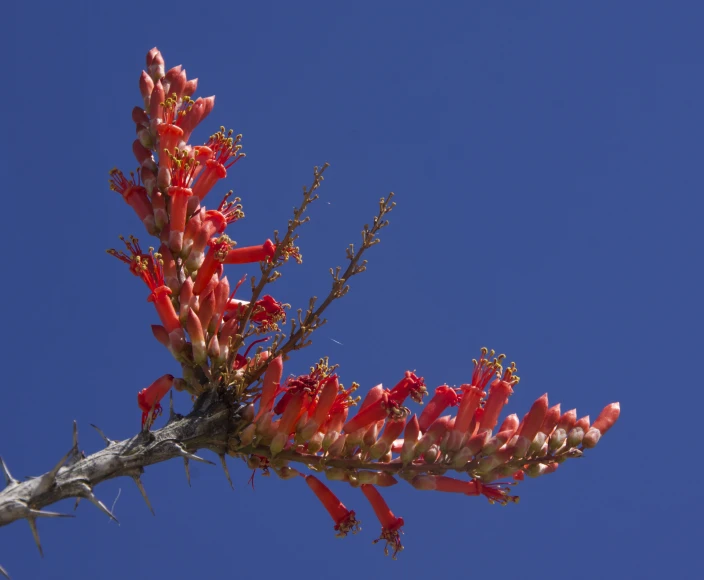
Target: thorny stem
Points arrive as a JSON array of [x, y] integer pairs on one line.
[[210, 425]]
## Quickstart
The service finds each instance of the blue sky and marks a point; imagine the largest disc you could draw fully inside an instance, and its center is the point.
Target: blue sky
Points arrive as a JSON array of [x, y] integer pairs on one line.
[[546, 158]]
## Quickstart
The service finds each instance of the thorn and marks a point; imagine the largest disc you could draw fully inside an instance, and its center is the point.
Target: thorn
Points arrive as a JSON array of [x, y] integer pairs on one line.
[[9, 480], [143, 491], [32, 516], [48, 478], [151, 417], [35, 534], [76, 454], [46, 481], [172, 415], [108, 442], [75, 506], [4, 573], [227, 473], [90, 496], [186, 455], [188, 471]]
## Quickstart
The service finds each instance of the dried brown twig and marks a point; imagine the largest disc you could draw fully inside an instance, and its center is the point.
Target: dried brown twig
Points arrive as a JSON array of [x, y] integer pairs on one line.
[[299, 336]]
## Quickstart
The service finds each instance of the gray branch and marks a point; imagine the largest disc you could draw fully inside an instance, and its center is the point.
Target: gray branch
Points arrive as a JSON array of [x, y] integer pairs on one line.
[[210, 425]]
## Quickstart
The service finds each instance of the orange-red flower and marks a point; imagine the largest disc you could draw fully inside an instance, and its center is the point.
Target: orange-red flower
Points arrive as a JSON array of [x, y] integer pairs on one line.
[[344, 519], [148, 399], [390, 524]]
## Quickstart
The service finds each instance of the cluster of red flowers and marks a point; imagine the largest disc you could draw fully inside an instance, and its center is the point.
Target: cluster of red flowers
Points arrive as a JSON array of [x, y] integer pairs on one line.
[[305, 419]]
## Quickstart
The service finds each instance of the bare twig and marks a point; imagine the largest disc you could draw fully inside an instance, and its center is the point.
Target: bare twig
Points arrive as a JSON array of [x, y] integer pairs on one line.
[[311, 320]]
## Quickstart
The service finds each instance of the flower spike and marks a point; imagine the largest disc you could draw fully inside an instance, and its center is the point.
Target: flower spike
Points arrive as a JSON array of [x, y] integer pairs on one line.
[[270, 420]]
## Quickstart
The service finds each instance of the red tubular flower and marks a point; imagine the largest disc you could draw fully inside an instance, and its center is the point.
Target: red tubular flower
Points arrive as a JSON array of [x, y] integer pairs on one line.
[[390, 524], [182, 168], [534, 418], [135, 195], [270, 385], [608, 416], [471, 398], [389, 404], [140, 117], [196, 114], [172, 113], [149, 398], [230, 211], [530, 426], [213, 260], [510, 423], [161, 216], [226, 150], [214, 172], [134, 250], [296, 405], [190, 87], [567, 420], [221, 296], [212, 222], [371, 414], [184, 298], [195, 331], [146, 85], [194, 223], [338, 412], [583, 423], [325, 401], [266, 314], [551, 419], [161, 335], [148, 180], [143, 155], [251, 254], [175, 80], [170, 272], [150, 268], [164, 307], [477, 441], [344, 519], [434, 434], [443, 398], [373, 395], [493, 492], [230, 329], [336, 420], [382, 446], [410, 438], [409, 385], [606, 419], [206, 308], [169, 137], [155, 101], [499, 392]]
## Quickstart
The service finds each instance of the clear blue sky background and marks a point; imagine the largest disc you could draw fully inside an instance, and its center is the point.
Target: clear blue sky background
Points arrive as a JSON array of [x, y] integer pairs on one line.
[[546, 158]]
